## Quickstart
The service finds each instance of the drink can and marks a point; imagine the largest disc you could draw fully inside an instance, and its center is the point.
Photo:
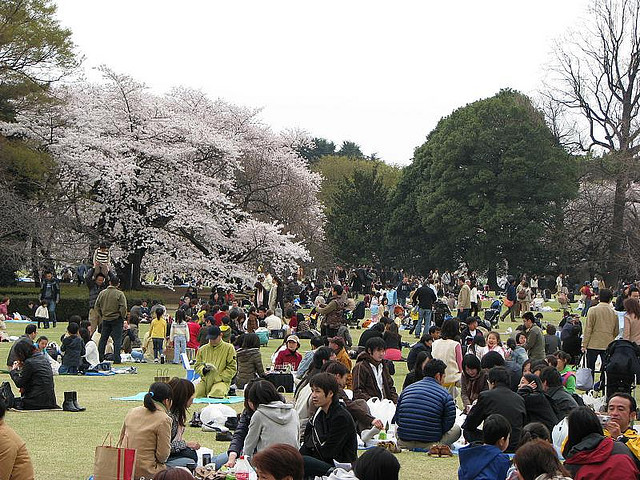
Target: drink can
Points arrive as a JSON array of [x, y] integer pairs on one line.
[[206, 459], [162, 358]]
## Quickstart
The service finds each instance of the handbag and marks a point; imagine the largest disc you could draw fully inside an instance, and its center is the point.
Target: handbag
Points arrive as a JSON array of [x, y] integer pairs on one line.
[[6, 395], [584, 376], [282, 381], [508, 303], [114, 463]]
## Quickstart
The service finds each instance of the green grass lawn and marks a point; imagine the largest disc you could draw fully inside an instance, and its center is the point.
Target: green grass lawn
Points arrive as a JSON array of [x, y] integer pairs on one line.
[[62, 444]]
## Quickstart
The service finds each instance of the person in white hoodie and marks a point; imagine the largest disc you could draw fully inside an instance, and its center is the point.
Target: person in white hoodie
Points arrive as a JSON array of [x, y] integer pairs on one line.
[[273, 421]]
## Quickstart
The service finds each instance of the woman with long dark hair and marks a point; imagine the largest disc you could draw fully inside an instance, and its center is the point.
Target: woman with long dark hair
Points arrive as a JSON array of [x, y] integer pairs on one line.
[[417, 373], [148, 430], [249, 360], [536, 403], [590, 455], [31, 372], [182, 395], [472, 381]]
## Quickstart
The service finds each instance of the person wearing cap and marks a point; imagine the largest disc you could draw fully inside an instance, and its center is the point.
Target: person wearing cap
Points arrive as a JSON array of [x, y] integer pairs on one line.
[[290, 355], [216, 364]]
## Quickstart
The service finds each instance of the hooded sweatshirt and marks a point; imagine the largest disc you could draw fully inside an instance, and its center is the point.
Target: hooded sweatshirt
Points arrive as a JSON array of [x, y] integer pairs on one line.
[[275, 422], [597, 457], [482, 462]]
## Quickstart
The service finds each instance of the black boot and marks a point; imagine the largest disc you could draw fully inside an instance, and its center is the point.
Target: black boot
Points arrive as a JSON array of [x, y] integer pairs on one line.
[[68, 405], [75, 402]]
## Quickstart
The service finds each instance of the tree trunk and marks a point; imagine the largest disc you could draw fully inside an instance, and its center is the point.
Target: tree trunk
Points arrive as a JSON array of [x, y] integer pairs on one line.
[[129, 273], [617, 228], [35, 271]]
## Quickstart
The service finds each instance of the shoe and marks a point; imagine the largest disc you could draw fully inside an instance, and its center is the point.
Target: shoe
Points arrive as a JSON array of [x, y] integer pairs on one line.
[[68, 405], [75, 402], [155, 360], [195, 421]]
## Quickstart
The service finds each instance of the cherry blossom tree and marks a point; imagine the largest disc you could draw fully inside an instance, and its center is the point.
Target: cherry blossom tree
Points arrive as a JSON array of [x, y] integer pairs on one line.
[[177, 182]]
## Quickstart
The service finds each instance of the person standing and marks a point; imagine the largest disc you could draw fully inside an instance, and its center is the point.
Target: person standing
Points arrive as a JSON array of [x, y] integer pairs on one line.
[[333, 313], [404, 289], [96, 284], [111, 307], [510, 301], [601, 328], [464, 299], [535, 346], [424, 297], [50, 292]]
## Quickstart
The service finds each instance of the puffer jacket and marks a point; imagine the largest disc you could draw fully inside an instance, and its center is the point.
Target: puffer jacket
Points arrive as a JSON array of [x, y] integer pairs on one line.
[[597, 457], [249, 366], [36, 379], [425, 412]]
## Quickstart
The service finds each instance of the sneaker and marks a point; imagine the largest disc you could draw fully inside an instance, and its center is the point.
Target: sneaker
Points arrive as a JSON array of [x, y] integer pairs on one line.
[[155, 360]]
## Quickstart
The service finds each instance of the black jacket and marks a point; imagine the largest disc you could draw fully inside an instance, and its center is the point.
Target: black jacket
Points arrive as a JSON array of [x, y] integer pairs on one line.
[[425, 297], [505, 402], [331, 436], [539, 408], [240, 433], [561, 401], [366, 335], [36, 378], [54, 292]]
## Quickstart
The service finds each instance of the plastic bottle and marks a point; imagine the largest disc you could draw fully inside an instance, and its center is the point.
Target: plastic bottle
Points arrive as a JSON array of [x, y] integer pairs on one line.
[[382, 435], [242, 469]]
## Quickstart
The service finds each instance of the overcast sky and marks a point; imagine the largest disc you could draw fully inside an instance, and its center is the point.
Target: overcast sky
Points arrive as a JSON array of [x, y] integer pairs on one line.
[[378, 73]]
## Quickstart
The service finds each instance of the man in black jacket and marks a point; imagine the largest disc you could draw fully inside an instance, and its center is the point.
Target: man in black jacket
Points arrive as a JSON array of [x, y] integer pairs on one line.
[[425, 298], [498, 399], [331, 433]]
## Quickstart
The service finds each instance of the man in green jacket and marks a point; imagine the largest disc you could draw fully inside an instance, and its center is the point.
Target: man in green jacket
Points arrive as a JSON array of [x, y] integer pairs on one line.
[[111, 307], [535, 337], [216, 364]]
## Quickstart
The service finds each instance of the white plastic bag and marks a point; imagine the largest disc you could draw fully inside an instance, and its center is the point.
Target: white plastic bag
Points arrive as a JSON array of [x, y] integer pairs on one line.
[[560, 433], [595, 402], [385, 410], [216, 414]]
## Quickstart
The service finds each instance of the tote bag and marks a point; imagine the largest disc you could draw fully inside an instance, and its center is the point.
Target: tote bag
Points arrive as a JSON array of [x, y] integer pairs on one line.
[[114, 463], [584, 376]]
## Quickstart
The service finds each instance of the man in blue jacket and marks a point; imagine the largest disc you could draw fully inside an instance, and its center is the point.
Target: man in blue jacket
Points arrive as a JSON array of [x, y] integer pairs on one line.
[[426, 413]]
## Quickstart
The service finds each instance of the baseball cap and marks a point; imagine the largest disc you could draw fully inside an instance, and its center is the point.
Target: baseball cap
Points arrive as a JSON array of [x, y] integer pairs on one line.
[[214, 332], [293, 338]]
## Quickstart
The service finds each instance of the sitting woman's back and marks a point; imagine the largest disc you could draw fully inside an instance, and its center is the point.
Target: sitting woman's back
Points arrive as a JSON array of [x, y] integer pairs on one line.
[[249, 360], [34, 376], [148, 430], [274, 421], [15, 462]]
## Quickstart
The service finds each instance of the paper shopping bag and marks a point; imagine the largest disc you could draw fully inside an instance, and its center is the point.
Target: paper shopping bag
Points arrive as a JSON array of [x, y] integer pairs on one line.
[[114, 463]]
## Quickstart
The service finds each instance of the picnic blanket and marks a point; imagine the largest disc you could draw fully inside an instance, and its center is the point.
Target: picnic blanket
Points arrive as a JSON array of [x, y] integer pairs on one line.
[[140, 397]]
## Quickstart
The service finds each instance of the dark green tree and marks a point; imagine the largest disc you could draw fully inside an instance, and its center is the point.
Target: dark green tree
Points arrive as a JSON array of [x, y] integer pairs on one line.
[[350, 149], [320, 148], [489, 185], [356, 221]]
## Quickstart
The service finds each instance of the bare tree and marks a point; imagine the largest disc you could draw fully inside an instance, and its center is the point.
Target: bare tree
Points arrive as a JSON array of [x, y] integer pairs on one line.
[[596, 86]]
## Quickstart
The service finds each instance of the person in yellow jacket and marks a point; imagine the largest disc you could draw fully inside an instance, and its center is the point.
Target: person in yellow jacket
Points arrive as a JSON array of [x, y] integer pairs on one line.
[[622, 410], [157, 333], [216, 364]]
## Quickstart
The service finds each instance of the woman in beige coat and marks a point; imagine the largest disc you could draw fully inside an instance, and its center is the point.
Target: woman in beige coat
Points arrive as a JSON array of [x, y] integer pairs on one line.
[[148, 430]]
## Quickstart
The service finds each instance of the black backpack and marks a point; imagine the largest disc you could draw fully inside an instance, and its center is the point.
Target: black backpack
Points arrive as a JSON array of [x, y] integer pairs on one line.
[[6, 395]]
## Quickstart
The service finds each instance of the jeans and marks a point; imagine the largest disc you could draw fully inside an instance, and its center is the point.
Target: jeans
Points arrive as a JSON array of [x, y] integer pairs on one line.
[[314, 467], [157, 346], [179, 347], [52, 312], [70, 370], [587, 305], [424, 318], [113, 329]]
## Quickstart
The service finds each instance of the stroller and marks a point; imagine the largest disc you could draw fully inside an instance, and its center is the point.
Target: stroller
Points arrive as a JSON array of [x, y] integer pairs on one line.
[[441, 313], [354, 317], [492, 314], [620, 367]]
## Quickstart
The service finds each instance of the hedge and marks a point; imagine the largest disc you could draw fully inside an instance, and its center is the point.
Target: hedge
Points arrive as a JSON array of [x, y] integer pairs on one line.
[[65, 308]]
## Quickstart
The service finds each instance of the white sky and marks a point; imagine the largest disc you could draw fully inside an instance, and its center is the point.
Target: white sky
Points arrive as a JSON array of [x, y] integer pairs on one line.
[[378, 73]]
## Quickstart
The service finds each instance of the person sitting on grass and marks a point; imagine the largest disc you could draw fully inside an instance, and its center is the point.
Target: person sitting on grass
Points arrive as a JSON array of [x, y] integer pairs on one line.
[[30, 334], [182, 395], [15, 462], [147, 429], [316, 342], [279, 462], [417, 373], [538, 460], [423, 345], [73, 348], [273, 421], [290, 355], [487, 460], [216, 365], [561, 400], [337, 345], [32, 374], [90, 359], [42, 314], [473, 380], [567, 374], [366, 425], [371, 378], [331, 433], [426, 412], [249, 360]]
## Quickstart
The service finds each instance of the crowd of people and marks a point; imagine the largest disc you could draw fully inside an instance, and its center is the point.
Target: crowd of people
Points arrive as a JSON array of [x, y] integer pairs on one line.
[[503, 393]]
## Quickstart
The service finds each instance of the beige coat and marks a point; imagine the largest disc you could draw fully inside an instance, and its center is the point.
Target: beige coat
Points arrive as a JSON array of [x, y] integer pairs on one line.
[[464, 297], [150, 434], [15, 463], [601, 327]]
